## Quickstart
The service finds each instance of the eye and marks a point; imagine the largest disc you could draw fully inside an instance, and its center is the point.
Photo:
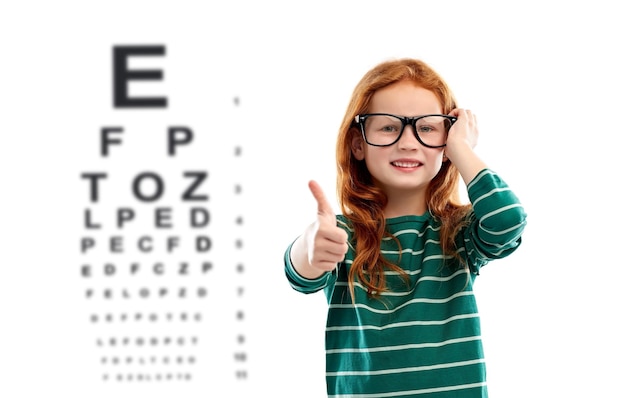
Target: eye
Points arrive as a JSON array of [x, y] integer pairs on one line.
[[425, 129], [389, 128]]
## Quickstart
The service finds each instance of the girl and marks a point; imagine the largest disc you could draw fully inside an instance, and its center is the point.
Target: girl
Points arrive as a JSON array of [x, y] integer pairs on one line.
[[398, 265]]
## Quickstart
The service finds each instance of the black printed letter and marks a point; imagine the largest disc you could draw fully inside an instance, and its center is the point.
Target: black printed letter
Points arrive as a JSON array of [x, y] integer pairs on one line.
[[122, 75]]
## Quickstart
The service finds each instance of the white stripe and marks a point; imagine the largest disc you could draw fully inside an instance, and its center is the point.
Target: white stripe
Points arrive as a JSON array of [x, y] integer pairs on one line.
[[389, 272], [493, 213], [344, 225], [413, 253], [412, 392], [413, 231], [403, 324], [489, 194], [405, 370], [406, 346], [479, 177], [409, 250], [504, 246], [414, 301], [412, 273], [297, 276]]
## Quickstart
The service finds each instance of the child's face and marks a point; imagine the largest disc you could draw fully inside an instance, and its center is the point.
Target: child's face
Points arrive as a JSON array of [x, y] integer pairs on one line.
[[406, 165]]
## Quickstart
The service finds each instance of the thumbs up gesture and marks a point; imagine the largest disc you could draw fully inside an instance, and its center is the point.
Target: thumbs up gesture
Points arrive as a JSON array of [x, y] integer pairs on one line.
[[323, 243]]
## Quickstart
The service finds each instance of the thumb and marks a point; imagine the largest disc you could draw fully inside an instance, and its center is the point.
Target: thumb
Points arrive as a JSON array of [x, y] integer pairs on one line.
[[323, 207]]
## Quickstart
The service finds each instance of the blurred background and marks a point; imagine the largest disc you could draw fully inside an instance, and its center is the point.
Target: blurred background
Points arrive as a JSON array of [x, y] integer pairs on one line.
[[158, 268]]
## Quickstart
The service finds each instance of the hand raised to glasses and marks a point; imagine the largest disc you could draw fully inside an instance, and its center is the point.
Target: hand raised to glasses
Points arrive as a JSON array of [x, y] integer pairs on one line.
[[462, 138], [464, 132], [323, 243]]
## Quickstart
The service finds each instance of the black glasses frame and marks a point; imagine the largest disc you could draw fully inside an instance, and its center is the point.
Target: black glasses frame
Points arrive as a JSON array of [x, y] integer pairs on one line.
[[406, 121]]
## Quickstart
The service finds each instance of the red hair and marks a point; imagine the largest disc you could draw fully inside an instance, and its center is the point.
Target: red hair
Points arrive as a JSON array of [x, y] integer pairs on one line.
[[362, 203]]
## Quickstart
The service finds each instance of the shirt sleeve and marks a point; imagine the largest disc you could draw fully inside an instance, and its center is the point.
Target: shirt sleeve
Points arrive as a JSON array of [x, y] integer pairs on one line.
[[496, 223], [300, 283]]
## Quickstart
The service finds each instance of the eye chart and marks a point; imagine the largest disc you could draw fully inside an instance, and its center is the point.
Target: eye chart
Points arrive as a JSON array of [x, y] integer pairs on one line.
[[162, 249]]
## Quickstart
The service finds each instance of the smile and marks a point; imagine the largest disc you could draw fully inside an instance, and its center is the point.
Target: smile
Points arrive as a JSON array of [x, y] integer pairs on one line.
[[406, 164]]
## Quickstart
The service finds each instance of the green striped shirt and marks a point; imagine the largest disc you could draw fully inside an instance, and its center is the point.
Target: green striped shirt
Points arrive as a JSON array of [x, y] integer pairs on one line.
[[423, 338]]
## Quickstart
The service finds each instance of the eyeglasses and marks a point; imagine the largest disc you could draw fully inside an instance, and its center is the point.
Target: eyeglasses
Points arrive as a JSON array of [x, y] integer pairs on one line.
[[383, 129]]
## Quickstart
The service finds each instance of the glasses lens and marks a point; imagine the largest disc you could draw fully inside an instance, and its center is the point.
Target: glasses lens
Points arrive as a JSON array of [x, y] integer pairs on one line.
[[433, 130], [382, 129]]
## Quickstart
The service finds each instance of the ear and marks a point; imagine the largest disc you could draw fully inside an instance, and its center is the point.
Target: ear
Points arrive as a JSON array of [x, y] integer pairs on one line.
[[358, 147]]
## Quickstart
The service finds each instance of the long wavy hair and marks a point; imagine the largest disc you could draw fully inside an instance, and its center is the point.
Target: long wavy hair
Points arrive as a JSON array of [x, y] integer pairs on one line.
[[362, 203]]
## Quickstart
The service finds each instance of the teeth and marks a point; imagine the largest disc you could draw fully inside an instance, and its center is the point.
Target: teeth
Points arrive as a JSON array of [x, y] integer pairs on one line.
[[405, 164]]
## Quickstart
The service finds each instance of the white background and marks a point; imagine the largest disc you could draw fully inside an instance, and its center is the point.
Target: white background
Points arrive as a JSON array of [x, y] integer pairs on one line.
[[546, 80]]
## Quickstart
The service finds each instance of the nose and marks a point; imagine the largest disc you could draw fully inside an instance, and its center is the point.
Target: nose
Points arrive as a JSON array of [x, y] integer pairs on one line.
[[408, 140]]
